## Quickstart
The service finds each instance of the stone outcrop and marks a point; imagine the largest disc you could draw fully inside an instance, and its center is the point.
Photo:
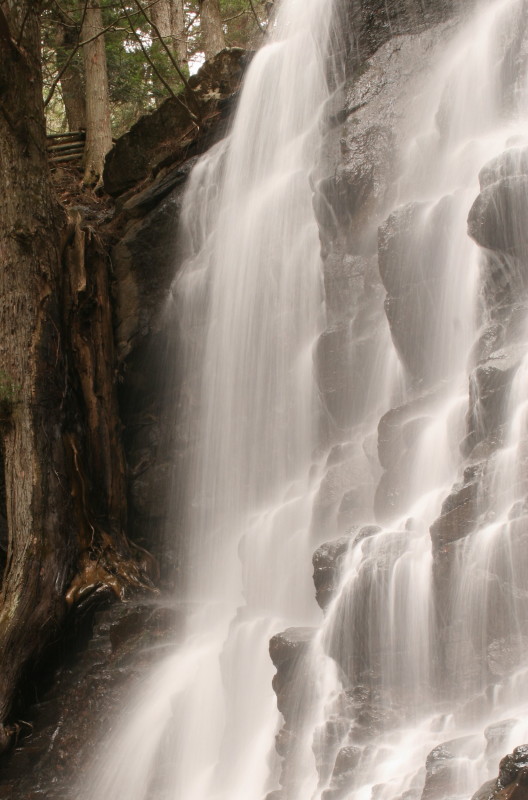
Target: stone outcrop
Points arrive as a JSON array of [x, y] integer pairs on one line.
[[326, 563], [289, 652], [512, 781], [148, 168], [181, 127], [441, 774], [63, 726]]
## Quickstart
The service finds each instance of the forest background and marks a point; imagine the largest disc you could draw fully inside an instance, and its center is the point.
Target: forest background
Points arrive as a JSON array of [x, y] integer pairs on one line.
[[106, 63]]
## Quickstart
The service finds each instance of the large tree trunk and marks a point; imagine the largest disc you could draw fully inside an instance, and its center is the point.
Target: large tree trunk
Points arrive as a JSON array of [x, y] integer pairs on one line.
[[32, 364], [168, 16], [98, 129], [72, 82], [213, 40], [63, 462], [179, 34], [161, 17]]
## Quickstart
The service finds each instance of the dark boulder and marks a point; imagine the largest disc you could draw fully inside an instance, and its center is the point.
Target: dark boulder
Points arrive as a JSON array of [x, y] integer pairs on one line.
[[512, 782], [497, 219], [288, 651], [460, 511], [342, 362], [170, 133], [441, 766], [327, 561], [489, 389], [287, 647], [413, 264], [511, 162], [346, 763]]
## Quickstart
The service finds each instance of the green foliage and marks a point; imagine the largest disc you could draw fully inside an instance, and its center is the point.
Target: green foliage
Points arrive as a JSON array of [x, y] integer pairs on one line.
[[140, 72]]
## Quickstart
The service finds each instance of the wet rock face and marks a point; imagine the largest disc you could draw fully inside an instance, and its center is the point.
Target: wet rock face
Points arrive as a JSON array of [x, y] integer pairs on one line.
[[489, 389], [459, 512], [168, 133], [376, 21], [327, 560], [496, 222], [145, 261], [414, 281], [512, 781], [287, 652], [352, 189], [67, 722], [496, 219], [441, 774]]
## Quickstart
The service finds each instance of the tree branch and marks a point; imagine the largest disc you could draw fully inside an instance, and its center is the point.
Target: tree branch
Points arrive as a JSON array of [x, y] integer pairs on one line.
[[173, 61], [263, 30], [144, 50], [79, 44], [69, 59]]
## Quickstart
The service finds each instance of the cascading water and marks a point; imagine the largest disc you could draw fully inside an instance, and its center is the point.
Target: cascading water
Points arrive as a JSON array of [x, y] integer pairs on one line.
[[249, 303], [431, 641], [421, 644]]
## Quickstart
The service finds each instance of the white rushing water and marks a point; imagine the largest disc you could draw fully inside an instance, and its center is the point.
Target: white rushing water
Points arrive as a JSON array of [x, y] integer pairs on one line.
[[252, 288], [250, 306]]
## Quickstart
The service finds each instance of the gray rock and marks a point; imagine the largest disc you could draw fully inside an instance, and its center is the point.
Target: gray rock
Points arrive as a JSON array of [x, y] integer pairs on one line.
[[342, 363], [327, 561], [497, 219], [144, 262], [290, 645], [511, 162], [511, 765], [460, 511], [412, 254], [441, 766], [489, 388], [167, 133]]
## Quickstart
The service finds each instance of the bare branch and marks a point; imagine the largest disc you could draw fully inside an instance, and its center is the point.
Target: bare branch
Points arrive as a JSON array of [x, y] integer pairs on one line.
[[171, 57], [145, 53], [111, 27], [263, 30]]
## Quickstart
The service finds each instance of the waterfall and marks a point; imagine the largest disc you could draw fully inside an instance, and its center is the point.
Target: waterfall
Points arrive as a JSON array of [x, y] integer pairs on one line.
[[249, 303], [423, 643], [428, 623]]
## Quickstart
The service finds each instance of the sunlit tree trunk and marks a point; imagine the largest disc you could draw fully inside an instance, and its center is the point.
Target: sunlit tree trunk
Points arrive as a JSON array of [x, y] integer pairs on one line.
[[213, 40], [179, 34], [98, 130], [72, 83]]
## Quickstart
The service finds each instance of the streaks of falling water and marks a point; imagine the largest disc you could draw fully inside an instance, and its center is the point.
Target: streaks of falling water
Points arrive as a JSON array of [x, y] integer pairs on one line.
[[248, 301], [383, 628], [253, 278]]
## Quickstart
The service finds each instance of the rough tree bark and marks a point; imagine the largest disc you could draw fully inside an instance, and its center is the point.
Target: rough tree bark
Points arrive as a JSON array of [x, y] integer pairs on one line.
[[161, 15], [213, 40], [32, 364], [169, 18], [179, 34], [71, 82], [63, 462], [98, 129]]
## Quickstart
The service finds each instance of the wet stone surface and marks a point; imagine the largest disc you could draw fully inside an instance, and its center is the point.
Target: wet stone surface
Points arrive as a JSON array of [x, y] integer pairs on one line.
[[67, 724]]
